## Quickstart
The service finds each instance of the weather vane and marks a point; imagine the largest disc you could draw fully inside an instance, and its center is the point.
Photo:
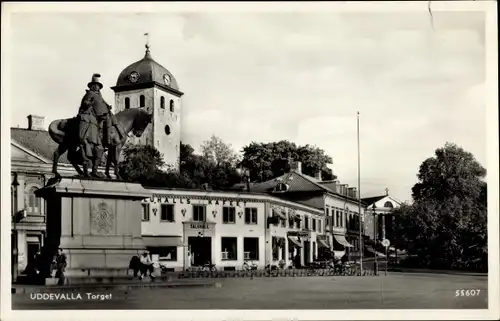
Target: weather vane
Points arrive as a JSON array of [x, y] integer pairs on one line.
[[147, 40]]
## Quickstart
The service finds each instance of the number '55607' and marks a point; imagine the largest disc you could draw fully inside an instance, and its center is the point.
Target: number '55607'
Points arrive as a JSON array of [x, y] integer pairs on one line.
[[467, 292]]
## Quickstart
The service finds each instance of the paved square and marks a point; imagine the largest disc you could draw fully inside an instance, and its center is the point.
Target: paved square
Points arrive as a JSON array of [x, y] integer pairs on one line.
[[395, 291]]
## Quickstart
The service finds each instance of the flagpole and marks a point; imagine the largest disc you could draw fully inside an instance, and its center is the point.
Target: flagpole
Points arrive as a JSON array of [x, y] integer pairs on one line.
[[359, 205]]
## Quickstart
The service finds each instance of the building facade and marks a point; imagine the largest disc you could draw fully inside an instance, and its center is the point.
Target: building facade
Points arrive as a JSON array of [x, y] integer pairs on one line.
[[184, 228], [380, 216], [343, 211]]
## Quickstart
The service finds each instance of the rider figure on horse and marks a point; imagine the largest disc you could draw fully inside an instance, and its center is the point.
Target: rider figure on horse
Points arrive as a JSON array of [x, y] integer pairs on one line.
[[95, 123]]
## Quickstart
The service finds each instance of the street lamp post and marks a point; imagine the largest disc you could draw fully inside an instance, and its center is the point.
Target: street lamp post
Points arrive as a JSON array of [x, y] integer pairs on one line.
[[375, 237]]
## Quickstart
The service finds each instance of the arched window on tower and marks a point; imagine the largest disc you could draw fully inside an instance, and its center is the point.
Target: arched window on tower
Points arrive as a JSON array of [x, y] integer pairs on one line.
[[127, 103], [171, 105], [142, 101], [162, 102]]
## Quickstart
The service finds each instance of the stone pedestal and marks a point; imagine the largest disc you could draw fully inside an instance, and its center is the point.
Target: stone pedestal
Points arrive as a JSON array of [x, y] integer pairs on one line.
[[97, 223]]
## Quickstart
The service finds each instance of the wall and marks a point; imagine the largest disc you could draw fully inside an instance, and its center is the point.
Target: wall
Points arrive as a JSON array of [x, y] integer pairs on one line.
[[155, 134], [167, 144], [214, 203]]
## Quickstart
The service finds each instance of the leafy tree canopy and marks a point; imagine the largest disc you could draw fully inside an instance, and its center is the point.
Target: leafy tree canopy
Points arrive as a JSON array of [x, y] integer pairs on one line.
[[446, 225], [268, 160]]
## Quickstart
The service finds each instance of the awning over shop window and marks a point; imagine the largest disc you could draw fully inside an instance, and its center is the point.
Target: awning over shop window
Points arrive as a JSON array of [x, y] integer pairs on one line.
[[295, 241], [341, 239], [322, 243], [279, 213], [160, 241]]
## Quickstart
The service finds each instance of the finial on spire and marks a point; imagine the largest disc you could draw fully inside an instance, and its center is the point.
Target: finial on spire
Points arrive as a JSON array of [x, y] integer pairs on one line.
[[147, 43], [386, 191]]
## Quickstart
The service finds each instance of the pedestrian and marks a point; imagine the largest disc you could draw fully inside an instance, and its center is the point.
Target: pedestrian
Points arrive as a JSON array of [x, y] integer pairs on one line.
[[60, 265], [297, 261], [135, 264], [146, 265]]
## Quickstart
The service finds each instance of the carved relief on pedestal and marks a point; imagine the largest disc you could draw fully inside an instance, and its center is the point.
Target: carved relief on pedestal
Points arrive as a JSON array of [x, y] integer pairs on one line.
[[102, 219]]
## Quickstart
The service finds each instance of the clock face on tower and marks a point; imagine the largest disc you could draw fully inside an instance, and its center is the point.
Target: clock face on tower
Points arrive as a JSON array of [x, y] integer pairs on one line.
[[167, 79], [133, 77]]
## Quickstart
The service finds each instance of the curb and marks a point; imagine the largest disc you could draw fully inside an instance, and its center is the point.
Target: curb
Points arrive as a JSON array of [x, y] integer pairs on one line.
[[423, 271], [101, 287]]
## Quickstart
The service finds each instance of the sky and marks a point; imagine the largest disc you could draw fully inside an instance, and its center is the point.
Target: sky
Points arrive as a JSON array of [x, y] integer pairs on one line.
[[276, 76]]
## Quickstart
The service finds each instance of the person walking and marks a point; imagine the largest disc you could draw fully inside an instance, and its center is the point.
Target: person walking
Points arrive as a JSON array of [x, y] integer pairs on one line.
[[60, 265]]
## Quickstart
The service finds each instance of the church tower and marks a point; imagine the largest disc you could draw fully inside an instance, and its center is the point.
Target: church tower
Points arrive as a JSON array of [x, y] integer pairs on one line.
[[147, 84]]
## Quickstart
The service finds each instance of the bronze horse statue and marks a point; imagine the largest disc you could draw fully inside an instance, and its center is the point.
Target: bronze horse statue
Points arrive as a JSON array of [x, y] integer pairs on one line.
[[65, 133]]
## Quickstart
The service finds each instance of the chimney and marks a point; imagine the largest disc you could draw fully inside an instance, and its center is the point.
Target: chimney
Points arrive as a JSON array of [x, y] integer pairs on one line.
[[296, 167], [353, 192], [35, 122], [318, 175]]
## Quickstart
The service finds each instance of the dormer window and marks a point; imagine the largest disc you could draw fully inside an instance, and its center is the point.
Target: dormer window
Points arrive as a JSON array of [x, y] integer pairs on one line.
[[281, 187]]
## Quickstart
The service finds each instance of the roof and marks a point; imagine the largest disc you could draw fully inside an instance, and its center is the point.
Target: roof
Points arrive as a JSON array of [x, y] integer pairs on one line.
[[297, 182], [38, 141], [149, 72], [373, 199]]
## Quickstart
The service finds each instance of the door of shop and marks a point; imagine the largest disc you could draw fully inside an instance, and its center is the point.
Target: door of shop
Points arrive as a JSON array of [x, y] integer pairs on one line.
[[201, 249]]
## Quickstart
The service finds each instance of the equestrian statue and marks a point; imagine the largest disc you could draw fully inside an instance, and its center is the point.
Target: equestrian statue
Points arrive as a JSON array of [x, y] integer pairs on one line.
[[94, 130]]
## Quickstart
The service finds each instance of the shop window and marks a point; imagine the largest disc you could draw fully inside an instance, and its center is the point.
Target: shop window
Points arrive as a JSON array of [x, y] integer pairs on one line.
[[165, 253], [228, 215], [142, 101], [250, 215], [127, 103], [167, 213], [199, 213], [33, 203], [251, 248], [145, 212], [229, 248]]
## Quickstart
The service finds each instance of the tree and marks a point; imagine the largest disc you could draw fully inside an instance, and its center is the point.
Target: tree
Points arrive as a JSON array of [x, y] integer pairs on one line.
[[217, 171], [268, 160], [218, 152], [142, 164], [446, 225]]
